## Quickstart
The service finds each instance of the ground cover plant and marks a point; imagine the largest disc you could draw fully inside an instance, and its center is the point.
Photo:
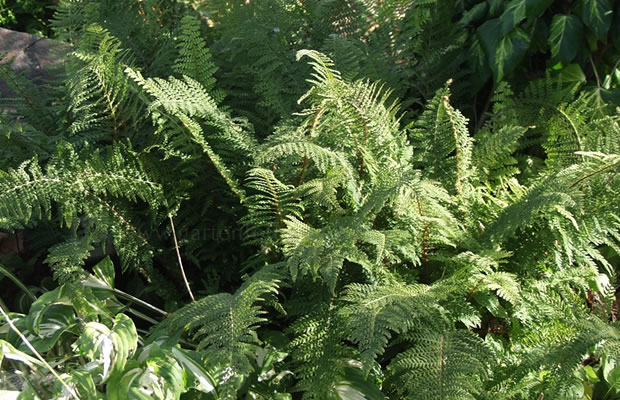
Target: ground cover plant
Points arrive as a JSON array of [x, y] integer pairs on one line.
[[314, 200]]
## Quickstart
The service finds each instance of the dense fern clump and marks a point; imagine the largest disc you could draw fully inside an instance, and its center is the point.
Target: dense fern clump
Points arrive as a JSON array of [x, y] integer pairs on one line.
[[278, 200]]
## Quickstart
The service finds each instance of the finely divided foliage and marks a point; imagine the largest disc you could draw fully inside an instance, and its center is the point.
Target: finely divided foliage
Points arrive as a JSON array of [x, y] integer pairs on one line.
[[371, 252]]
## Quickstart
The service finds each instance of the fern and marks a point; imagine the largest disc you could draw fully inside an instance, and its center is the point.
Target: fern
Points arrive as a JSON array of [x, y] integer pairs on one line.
[[319, 352], [225, 324], [270, 207], [186, 101], [83, 185], [443, 143], [448, 364], [103, 98], [194, 58]]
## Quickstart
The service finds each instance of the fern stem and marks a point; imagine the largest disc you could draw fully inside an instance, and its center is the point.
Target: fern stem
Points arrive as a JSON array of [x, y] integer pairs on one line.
[[591, 174], [37, 354], [315, 122], [176, 246], [457, 184], [304, 168], [21, 92]]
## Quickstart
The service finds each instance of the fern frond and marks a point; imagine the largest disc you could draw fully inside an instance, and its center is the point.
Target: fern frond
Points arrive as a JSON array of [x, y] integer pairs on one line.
[[28, 100], [318, 351], [102, 95], [67, 259], [443, 144], [268, 209], [86, 184], [374, 312], [225, 324], [187, 102], [195, 60], [450, 364]]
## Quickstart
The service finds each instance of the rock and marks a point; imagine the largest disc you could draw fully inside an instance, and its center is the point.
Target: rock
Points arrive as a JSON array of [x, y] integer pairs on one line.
[[31, 55]]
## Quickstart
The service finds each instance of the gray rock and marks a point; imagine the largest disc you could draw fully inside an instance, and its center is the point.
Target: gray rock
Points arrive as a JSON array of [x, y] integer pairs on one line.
[[31, 55]]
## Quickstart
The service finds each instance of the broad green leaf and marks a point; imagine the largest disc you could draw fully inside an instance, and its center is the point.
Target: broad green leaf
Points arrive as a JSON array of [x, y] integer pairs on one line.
[[596, 15], [82, 382], [607, 365], [488, 35], [44, 303], [475, 14], [566, 37], [510, 51], [478, 59], [125, 339], [109, 347], [9, 352], [97, 345], [104, 270], [503, 52], [514, 13], [536, 7], [58, 319], [570, 74], [354, 387], [495, 7], [613, 378], [158, 377], [591, 375], [205, 382]]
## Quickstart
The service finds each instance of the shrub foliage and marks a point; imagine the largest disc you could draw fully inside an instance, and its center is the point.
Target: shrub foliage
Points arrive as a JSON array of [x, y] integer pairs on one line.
[[315, 200]]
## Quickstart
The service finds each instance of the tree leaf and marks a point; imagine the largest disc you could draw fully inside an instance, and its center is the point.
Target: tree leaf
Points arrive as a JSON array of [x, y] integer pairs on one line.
[[503, 52], [536, 7], [566, 37], [510, 51], [596, 15], [515, 12]]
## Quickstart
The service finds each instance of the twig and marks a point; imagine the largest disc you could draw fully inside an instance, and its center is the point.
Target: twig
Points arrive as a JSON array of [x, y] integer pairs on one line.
[[36, 353], [176, 246]]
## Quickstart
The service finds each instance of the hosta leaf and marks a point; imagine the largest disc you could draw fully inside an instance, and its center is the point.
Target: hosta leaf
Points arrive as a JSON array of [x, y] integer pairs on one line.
[[109, 347], [58, 319], [204, 381], [566, 37], [104, 270], [596, 15], [9, 352], [45, 302], [158, 377], [354, 387]]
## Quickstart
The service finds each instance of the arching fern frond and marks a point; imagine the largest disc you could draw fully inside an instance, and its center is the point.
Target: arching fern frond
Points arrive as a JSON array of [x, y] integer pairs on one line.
[[441, 365], [194, 58], [187, 102], [442, 144], [103, 97], [269, 207], [87, 186], [225, 324]]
